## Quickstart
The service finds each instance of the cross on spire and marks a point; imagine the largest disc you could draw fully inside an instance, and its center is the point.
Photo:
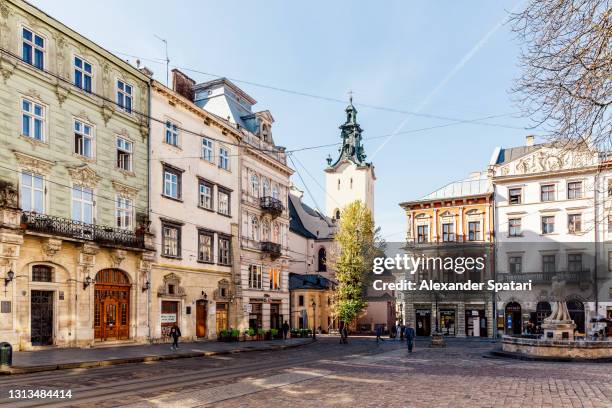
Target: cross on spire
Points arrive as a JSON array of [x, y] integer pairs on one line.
[[350, 94]]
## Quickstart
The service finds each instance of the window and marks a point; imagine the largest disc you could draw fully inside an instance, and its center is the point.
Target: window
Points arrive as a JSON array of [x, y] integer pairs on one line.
[[574, 262], [124, 96], [33, 120], [422, 233], [32, 192], [207, 150], [515, 264], [275, 193], [82, 74], [266, 187], [547, 192], [301, 300], [474, 231], [274, 279], [448, 234], [548, 224], [225, 255], [515, 195], [255, 277], [42, 273], [123, 212], [224, 158], [254, 229], [83, 139], [172, 136], [33, 51], [574, 190], [574, 223], [82, 204], [514, 227], [255, 185], [322, 264], [124, 154], [224, 201], [206, 195], [171, 240], [172, 183], [548, 264], [205, 246]]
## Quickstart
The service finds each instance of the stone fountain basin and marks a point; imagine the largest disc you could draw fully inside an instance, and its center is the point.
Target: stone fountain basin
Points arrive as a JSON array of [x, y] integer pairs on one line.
[[563, 349]]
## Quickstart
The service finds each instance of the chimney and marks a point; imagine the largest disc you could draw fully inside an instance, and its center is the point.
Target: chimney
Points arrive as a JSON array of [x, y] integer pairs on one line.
[[147, 71], [529, 140], [182, 84]]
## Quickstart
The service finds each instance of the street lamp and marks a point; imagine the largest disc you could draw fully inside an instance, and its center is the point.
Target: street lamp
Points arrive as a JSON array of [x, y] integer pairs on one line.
[[314, 319], [9, 277], [146, 286], [87, 282]]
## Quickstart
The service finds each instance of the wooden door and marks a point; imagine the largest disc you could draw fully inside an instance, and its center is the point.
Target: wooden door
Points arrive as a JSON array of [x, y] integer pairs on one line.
[[221, 316], [201, 318], [109, 328], [41, 319]]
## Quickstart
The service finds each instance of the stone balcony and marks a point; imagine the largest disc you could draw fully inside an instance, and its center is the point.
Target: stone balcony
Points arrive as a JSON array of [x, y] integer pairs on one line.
[[271, 205]]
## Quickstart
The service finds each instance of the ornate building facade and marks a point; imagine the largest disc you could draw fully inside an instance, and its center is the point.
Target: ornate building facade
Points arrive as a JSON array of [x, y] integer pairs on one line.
[[74, 248]]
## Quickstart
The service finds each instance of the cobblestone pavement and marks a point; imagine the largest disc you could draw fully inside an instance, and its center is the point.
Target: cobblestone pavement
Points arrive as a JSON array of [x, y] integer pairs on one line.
[[361, 374]]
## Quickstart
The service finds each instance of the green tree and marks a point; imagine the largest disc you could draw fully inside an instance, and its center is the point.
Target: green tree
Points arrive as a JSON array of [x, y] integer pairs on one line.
[[356, 247]]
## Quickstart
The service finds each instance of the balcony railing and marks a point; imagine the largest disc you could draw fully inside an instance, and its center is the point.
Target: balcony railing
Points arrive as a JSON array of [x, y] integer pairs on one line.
[[546, 277], [271, 248], [65, 227], [271, 205]]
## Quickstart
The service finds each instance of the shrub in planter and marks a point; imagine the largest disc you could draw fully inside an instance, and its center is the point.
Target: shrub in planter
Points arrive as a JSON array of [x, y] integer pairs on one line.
[[234, 335], [260, 334], [294, 333], [223, 336], [249, 333], [274, 333]]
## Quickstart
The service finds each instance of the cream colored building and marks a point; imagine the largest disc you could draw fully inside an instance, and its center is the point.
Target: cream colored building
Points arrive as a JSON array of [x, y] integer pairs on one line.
[[194, 214]]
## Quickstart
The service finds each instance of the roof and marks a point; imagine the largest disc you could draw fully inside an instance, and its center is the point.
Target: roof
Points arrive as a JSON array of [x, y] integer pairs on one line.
[[473, 186], [296, 225], [513, 153], [309, 281], [229, 84]]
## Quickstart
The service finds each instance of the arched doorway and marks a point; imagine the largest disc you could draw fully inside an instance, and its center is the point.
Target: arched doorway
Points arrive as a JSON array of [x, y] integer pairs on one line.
[[112, 305], [576, 312], [543, 310], [513, 318]]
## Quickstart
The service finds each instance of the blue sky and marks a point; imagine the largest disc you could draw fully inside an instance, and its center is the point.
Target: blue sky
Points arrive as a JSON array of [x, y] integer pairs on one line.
[[442, 58]]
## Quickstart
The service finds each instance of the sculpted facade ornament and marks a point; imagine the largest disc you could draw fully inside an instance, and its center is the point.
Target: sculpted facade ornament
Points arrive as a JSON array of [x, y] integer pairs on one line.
[[6, 68], [117, 257], [33, 164], [9, 196], [62, 93], [84, 176], [125, 191], [107, 112], [33, 93], [171, 280], [50, 248]]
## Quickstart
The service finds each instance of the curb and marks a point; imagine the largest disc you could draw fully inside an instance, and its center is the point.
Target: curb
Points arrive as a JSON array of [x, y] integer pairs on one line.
[[499, 354], [143, 359]]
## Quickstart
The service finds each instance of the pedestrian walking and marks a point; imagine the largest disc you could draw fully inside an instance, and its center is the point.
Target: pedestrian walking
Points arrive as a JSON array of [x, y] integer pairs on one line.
[[344, 334], [175, 333], [379, 333], [410, 335], [285, 330]]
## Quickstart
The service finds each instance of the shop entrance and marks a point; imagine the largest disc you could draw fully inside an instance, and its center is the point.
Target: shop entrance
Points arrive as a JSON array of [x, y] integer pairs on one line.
[[475, 323], [447, 321], [41, 321], [255, 321], [221, 317], [112, 305], [201, 314], [513, 318], [168, 317], [423, 322]]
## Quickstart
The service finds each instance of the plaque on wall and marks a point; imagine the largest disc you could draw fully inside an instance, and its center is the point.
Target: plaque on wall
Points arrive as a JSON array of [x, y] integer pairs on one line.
[[5, 306], [188, 310], [61, 295]]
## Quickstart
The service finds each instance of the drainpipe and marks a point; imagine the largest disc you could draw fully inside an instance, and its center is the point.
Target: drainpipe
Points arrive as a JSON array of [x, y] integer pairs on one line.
[[596, 243]]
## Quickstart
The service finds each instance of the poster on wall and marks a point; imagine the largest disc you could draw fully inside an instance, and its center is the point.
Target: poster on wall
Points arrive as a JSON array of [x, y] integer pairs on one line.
[[168, 318]]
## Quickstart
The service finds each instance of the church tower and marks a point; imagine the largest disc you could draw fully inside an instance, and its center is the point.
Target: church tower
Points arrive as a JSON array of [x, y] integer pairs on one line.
[[350, 177]]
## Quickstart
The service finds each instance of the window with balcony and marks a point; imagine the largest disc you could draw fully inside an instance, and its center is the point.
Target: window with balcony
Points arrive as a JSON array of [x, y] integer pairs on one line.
[[205, 195], [574, 190], [547, 192], [205, 246], [172, 134], [225, 250], [255, 277], [223, 201], [33, 48], [422, 233], [265, 187], [548, 264], [32, 192], [123, 212], [448, 232], [125, 95], [254, 228], [82, 204], [274, 279], [171, 240], [124, 154], [515, 196], [83, 139], [254, 185], [515, 264], [474, 231], [207, 150], [83, 74], [574, 223], [514, 227], [574, 262], [33, 120], [548, 224]]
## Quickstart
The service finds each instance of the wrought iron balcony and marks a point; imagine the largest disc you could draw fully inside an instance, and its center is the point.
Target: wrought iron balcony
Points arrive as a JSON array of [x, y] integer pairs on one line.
[[546, 277], [271, 248], [271, 205], [68, 228]]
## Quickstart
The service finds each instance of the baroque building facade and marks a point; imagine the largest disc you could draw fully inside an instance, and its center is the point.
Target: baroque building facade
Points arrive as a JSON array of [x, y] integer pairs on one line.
[[194, 214], [74, 249], [453, 221]]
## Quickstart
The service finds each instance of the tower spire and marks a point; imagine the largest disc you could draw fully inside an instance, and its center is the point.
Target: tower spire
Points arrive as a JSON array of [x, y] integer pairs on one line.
[[352, 148]]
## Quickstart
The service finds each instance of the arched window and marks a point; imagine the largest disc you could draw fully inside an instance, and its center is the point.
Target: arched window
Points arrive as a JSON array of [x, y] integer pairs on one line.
[[277, 234], [322, 260], [254, 229], [266, 187], [265, 229], [255, 185], [264, 132]]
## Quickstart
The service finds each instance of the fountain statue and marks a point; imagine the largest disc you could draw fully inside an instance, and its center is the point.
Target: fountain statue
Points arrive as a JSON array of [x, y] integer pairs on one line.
[[559, 325]]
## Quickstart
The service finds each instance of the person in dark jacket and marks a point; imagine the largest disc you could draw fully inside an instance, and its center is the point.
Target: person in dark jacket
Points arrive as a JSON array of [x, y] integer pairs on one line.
[[285, 330], [175, 333], [410, 335], [379, 332]]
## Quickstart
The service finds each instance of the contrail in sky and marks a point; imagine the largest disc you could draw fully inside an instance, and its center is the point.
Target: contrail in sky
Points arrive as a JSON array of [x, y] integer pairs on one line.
[[466, 58]]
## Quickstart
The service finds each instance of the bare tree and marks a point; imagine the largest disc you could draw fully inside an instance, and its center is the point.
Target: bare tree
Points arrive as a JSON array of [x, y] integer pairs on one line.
[[566, 63]]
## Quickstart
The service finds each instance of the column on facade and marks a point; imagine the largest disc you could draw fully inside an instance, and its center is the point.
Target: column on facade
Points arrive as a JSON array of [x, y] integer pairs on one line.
[[265, 315], [491, 321], [461, 224], [10, 249], [435, 226], [85, 304], [460, 317]]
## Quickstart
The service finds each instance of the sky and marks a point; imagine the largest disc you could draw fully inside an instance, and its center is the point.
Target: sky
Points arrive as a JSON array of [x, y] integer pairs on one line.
[[455, 60]]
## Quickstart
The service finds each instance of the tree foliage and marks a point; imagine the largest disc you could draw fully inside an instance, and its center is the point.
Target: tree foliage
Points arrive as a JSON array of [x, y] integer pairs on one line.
[[356, 246], [566, 63]]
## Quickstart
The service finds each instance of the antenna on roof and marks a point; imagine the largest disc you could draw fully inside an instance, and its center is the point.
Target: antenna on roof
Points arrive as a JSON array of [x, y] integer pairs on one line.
[[167, 59]]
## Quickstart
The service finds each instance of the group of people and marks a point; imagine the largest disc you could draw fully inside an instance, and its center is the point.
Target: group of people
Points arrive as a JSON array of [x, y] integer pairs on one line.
[[399, 332]]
